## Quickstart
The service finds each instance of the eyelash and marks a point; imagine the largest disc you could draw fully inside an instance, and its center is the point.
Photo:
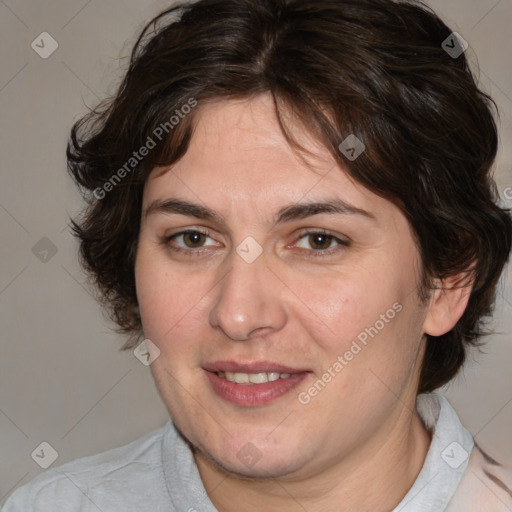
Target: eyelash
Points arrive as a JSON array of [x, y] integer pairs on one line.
[[312, 253]]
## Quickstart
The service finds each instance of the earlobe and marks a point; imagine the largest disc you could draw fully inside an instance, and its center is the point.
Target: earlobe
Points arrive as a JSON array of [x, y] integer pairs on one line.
[[447, 304]]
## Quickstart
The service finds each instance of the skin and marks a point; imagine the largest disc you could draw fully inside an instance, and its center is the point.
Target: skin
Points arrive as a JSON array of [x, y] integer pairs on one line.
[[359, 443]]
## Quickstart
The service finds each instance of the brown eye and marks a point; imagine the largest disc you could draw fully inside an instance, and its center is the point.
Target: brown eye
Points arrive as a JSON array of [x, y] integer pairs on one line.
[[191, 243], [320, 241], [188, 240], [194, 239]]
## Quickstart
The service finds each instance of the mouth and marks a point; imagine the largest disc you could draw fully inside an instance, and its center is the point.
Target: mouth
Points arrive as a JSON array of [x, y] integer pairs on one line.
[[253, 378], [252, 384]]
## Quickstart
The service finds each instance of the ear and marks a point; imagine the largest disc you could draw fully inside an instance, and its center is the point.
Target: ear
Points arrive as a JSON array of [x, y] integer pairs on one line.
[[447, 304]]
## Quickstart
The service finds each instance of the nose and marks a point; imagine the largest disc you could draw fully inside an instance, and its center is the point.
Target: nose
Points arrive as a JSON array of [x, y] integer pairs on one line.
[[249, 299]]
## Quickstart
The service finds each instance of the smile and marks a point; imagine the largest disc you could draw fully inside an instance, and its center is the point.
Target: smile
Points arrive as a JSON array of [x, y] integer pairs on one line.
[[253, 378], [252, 384]]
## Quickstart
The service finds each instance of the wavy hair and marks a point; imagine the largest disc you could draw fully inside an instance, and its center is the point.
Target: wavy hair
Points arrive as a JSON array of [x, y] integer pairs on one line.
[[375, 68]]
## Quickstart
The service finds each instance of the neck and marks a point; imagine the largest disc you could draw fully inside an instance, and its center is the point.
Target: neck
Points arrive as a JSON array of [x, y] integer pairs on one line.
[[374, 477]]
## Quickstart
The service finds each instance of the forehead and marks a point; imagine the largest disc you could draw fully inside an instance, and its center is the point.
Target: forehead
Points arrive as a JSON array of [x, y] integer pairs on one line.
[[239, 158]]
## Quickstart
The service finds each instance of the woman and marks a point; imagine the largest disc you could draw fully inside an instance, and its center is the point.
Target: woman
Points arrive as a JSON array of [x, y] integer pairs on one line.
[[291, 202]]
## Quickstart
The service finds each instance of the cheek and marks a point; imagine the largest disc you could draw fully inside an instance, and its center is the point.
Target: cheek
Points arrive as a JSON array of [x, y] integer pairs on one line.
[[162, 297], [370, 317], [347, 304]]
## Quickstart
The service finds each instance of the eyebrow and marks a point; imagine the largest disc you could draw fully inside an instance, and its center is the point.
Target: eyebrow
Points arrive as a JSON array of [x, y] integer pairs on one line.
[[288, 213]]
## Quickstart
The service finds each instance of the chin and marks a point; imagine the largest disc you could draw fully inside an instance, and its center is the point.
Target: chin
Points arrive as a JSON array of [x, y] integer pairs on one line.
[[277, 466], [247, 461]]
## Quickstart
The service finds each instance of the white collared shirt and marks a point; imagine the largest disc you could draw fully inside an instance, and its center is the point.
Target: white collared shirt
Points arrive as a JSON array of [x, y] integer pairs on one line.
[[158, 473]]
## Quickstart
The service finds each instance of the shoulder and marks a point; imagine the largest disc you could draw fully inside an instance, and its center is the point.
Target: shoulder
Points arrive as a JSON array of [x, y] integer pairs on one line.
[[112, 477], [486, 486]]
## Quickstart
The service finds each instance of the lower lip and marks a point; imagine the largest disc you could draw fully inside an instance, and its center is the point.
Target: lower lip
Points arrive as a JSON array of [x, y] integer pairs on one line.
[[253, 395]]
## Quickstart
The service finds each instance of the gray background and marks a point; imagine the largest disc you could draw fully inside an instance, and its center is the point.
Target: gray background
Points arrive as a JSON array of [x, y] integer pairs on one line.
[[62, 377]]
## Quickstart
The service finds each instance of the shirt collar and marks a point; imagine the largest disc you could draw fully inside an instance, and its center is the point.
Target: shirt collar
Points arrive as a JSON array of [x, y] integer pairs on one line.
[[447, 457], [446, 462]]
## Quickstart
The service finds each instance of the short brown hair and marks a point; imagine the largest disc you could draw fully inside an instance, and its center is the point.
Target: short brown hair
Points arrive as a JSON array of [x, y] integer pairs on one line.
[[373, 68]]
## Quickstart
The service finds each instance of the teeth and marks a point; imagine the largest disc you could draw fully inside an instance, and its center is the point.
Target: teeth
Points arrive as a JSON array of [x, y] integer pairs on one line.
[[257, 378], [253, 378], [241, 378]]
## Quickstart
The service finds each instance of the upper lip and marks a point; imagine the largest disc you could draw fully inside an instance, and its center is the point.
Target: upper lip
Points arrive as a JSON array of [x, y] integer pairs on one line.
[[251, 367]]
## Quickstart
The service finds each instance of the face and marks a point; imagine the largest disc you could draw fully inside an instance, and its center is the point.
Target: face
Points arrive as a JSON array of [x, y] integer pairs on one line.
[[316, 306]]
